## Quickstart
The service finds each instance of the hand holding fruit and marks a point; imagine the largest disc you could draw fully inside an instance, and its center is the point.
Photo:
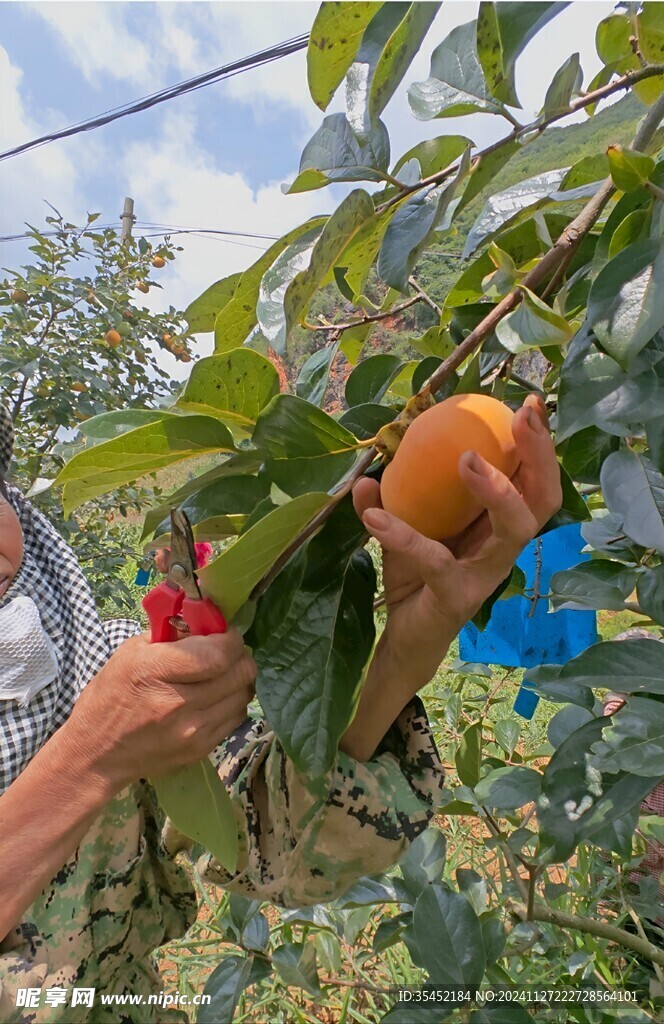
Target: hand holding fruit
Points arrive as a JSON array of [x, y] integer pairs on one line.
[[433, 587]]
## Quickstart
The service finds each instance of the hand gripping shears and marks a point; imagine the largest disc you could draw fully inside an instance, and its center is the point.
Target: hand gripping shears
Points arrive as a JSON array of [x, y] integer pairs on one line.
[[177, 605]]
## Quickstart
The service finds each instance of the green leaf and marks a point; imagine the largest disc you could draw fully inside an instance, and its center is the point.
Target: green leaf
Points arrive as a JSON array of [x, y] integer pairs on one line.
[[566, 83], [358, 257], [509, 788], [110, 464], [634, 489], [577, 801], [565, 722], [342, 227], [594, 389], [632, 229], [315, 374], [512, 1013], [366, 420], [434, 154], [596, 584], [234, 322], [334, 154], [312, 637], [334, 40], [198, 804], [469, 755], [270, 312], [390, 42], [230, 578], [485, 170], [230, 496], [303, 445], [371, 378], [202, 312], [584, 453], [413, 225], [503, 32], [507, 732], [236, 465], [629, 168], [296, 964], [573, 509], [473, 887], [449, 936], [633, 740], [531, 325], [112, 424], [367, 892], [224, 987], [626, 666], [651, 32], [507, 207], [456, 84], [626, 302], [605, 533], [424, 861], [586, 170], [233, 387], [650, 593]]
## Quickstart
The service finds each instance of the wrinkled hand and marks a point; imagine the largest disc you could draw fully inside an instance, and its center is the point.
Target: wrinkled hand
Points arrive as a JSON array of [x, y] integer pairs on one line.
[[156, 707], [432, 588]]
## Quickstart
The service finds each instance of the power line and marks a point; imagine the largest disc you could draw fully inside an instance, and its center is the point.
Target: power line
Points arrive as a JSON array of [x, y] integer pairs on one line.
[[165, 230], [266, 56]]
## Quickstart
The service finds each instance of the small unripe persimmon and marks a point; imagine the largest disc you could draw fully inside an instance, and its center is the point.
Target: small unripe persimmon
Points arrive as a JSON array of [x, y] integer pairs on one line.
[[421, 485], [113, 339], [20, 295], [143, 286], [124, 330], [158, 262]]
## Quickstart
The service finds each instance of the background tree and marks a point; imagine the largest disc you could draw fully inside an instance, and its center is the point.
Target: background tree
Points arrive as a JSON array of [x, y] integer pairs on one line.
[[74, 342], [567, 265]]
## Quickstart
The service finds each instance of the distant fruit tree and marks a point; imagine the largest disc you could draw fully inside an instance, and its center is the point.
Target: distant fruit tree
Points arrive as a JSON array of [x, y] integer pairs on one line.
[[568, 265], [74, 343]]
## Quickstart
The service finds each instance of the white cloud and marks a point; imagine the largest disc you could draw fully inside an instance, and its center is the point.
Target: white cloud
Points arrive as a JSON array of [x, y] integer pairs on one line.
[[174, 181], [52, 173], [98, 41]]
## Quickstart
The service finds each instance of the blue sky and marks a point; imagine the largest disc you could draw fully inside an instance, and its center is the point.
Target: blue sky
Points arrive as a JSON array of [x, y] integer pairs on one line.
[[215, 158]]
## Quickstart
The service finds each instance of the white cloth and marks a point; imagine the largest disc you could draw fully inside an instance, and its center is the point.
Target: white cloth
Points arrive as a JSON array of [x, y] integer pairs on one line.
[[28, 660]]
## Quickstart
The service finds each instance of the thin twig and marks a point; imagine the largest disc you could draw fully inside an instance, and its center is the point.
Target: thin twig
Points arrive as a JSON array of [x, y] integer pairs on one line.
[[425, 296], [362, 320], [602, 929]]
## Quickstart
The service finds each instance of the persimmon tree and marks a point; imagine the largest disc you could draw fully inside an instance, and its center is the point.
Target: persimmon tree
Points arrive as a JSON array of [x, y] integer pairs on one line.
[[74, 341], [569, 265]]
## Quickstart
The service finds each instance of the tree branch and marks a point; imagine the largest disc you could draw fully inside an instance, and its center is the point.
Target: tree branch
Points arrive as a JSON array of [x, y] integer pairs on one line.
[[625, 82], [424, 296], [570, 238], [602, 929], [368, 319]]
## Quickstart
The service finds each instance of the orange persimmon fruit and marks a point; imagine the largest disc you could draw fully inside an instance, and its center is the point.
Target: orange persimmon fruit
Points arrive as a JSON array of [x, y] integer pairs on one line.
[[421, 485]]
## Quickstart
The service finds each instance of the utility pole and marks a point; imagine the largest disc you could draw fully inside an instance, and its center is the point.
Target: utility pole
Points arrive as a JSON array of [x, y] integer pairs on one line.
[[127, 217]]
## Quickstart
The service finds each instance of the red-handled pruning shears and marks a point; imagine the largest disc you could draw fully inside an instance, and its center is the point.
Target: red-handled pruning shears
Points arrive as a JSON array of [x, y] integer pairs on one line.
[[177, 605]]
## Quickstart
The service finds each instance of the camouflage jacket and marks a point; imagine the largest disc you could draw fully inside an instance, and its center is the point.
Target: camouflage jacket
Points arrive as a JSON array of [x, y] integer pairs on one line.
[[123, 894]]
